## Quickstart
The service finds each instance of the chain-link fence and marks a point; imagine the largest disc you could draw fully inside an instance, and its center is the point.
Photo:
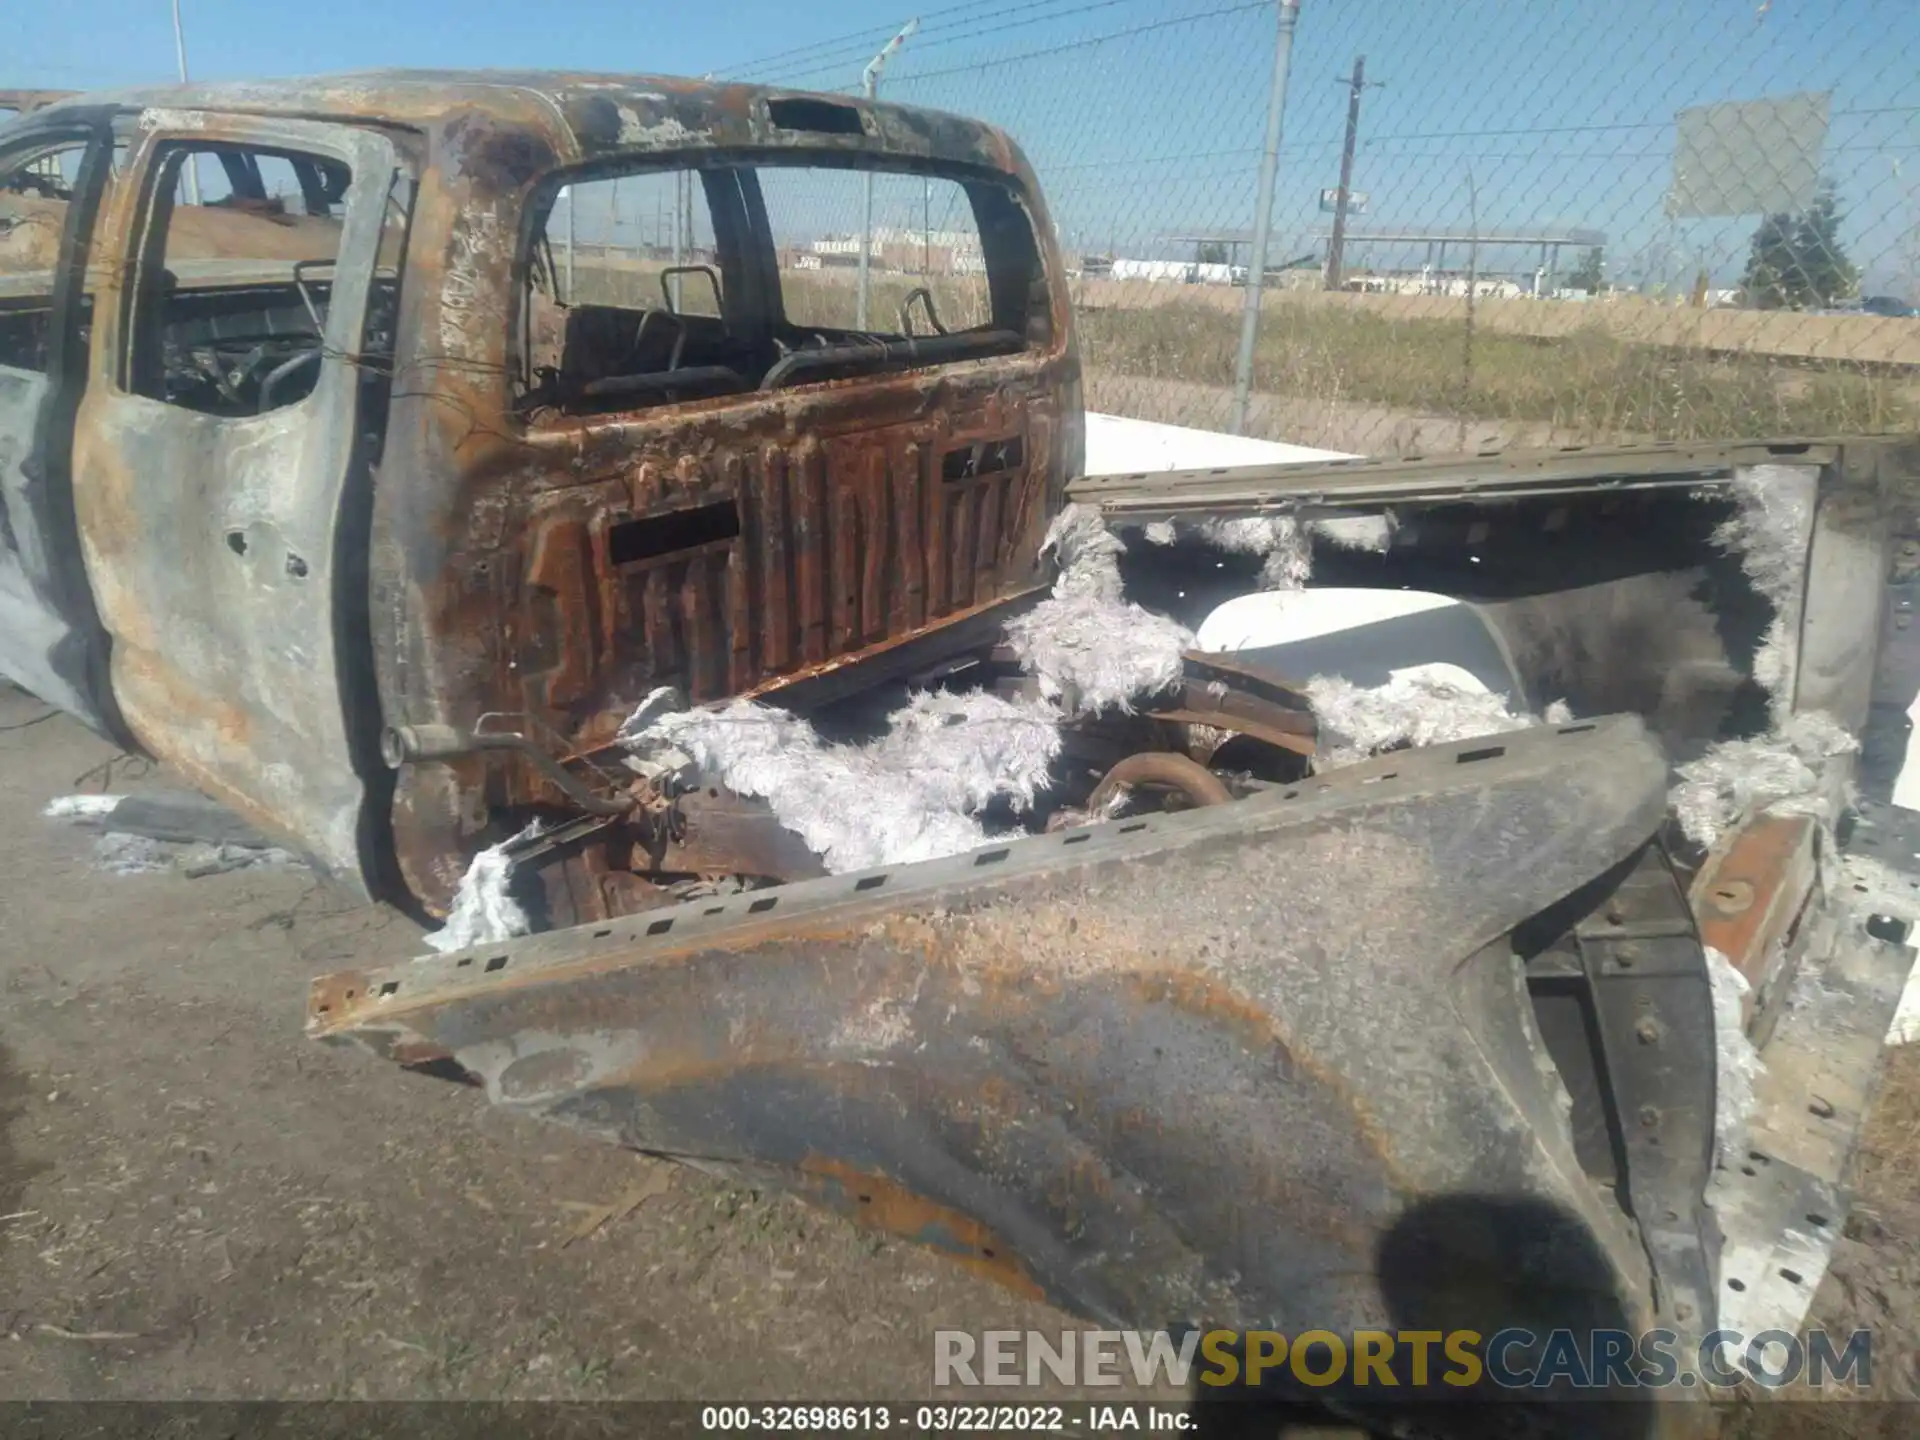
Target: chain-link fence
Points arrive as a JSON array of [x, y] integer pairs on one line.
[[1680, 219]]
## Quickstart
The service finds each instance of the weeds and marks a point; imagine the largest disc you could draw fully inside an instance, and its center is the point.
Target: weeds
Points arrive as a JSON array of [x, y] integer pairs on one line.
[[1590, 384]]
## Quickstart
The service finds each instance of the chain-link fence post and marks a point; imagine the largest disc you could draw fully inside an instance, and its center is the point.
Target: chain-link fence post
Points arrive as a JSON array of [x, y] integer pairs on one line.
[[1263, 214], [870, 86]]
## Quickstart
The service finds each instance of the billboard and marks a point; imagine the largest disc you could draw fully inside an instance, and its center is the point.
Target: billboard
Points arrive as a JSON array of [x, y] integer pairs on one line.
[[1749, 157]]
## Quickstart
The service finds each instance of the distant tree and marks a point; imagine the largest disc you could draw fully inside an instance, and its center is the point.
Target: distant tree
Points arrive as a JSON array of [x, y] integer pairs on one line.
[[1829, 274], [1213, 252], [1773, 265], [1797, 261], [1588, 275]]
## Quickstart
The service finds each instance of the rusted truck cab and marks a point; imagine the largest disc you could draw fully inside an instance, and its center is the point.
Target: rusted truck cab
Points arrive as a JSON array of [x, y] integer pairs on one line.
[[405, 404]]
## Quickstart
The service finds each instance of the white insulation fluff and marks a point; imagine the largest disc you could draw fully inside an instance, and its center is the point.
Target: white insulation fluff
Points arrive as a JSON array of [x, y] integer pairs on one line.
[[1412, 709], [1737, 1063], [1768, 532], [1285, 544], [1088, 648], [1280, 539], [73, 807], [910, 795], [1780, 770], [483, 910]]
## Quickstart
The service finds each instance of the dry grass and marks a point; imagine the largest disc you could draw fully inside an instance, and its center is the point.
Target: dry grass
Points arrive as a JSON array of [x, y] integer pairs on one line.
[[1589, 384]]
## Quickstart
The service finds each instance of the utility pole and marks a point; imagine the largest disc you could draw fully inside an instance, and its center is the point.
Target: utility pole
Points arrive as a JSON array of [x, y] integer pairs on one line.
[[1337, 245], [870, 84], [1263, 213], [180, 54]]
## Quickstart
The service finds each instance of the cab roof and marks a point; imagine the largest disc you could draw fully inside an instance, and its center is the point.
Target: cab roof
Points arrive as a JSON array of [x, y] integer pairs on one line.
[[591, 115]]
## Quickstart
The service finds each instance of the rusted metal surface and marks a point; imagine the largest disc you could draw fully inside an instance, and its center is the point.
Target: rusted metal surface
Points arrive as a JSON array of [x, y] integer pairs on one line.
[[1161, 770], [1221, 697], [213, 541], [1752, 895], [711, 831], [1123, 1065], [497, 545]]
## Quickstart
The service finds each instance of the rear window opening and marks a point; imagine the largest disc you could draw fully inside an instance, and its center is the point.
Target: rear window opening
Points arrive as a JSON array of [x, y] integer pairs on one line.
[[989, 457], [652, 536], [662, 286], [821, 117]]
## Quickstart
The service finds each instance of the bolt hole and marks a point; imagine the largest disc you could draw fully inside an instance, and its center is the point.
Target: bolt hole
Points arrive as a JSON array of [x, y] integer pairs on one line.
[[1748, 1170], [296, 567], [865, 1199], [236, 542], [1819, 1222], [1129, 829], [870, 882], [659, 927], [391, 987], [1889, 928], [463, 962], [1078, 837], [1737, 1286], [990, 857], [601, 934], [760, 907], [1821, 1108], [986, 1251], [1792, 1277], [498, 962]]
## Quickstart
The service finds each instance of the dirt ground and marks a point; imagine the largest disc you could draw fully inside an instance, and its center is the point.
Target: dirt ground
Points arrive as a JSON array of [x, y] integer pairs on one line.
[[198, 1202]]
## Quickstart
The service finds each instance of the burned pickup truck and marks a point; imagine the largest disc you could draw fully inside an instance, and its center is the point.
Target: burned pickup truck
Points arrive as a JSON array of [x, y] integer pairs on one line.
[[1400, 895]]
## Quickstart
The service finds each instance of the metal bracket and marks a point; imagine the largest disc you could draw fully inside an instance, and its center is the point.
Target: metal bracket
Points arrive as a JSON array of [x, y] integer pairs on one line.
[[1639, 961]]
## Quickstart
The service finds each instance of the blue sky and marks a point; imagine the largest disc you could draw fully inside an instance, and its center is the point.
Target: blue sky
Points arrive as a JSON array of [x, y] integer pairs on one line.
[[1144, 117]]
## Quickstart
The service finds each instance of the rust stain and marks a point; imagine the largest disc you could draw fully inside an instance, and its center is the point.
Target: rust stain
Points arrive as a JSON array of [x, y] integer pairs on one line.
[[1750, 895], [886, 1205]]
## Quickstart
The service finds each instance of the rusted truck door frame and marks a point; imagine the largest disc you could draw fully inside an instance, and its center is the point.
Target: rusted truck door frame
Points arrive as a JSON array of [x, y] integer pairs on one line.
[[214, 541], [51, 640]]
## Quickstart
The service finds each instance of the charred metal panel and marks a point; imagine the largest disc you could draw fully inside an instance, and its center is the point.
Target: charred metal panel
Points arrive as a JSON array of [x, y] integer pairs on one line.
[[722, 572], [51, 640], [1229, 1066], [1322, 488], [213, 541]]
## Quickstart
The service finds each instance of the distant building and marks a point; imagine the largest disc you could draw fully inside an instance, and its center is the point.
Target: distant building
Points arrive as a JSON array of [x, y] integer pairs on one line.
[[1179, 272], [934, 252]]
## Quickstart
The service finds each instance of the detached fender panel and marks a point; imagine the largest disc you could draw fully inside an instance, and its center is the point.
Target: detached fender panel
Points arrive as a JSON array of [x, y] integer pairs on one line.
[[1203, 1067]]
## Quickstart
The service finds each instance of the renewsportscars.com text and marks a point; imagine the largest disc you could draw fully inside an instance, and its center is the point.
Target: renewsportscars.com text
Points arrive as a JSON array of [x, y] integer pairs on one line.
[[1509, 1359]]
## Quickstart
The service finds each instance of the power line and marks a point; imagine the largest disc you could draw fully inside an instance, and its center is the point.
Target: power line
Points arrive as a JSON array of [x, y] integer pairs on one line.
[[817, 55], [1092, 40]]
